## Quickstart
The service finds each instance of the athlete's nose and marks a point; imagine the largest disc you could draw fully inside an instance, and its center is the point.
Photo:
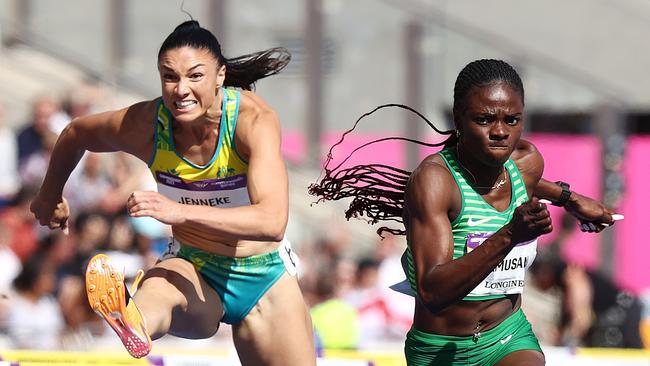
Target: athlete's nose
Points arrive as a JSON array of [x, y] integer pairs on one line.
[[499, 131], [181, 88]]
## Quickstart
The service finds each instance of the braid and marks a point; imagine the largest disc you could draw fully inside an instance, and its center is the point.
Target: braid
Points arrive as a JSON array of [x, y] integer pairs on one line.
[[482, 72], [378, 189]]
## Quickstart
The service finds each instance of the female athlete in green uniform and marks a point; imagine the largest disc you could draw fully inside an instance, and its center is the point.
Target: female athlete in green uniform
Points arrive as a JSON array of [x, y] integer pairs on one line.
[[472, 215]]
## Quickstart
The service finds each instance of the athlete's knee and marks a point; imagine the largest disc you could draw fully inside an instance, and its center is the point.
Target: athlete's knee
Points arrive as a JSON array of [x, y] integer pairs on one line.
[[162, 286]]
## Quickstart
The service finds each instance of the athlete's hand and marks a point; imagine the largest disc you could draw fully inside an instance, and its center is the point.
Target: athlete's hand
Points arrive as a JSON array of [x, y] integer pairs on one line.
[[154, 204], [53, 213], [529, 221], [593, 215]]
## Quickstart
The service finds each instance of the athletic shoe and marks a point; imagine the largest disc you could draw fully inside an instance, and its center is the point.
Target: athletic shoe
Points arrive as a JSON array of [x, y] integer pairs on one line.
[[109, 298]]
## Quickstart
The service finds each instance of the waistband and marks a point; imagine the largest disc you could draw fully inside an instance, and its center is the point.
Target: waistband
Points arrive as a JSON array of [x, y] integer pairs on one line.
[[432, 338], [272, 257]]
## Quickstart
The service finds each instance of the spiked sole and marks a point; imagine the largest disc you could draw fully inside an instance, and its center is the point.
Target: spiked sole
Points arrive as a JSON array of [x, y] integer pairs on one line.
[[107, 297]]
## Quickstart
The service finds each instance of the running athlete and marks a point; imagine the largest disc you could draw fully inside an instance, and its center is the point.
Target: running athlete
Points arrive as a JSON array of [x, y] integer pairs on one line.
[[213, 147], [472, 215]]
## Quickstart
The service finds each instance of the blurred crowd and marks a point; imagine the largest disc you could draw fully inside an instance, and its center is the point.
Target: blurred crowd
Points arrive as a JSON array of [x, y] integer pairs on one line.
[[42, 289]]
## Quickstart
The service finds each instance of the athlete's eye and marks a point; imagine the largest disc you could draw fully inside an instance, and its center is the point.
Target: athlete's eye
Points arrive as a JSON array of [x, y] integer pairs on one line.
[[169, 77], [513, 120], [196, 76], [483, 120]]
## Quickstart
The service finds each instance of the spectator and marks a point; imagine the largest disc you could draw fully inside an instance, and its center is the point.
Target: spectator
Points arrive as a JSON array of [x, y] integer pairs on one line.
[[89, 185], [336, 323], [34, 319], [594, 311], [9, 268], [17, 225], [645, 319], [31, 139], [9, 182], [368, 300]]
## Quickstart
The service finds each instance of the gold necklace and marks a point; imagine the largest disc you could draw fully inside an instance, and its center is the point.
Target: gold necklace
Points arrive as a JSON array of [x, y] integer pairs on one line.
[[496, 185]]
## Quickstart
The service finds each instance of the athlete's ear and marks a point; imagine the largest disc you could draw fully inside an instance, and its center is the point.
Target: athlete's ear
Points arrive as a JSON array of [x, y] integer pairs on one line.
[[221, 76], [455, 114]]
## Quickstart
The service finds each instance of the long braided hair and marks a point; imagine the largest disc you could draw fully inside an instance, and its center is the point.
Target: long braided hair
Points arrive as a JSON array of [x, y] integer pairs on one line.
[[242, 71], [377, 190]]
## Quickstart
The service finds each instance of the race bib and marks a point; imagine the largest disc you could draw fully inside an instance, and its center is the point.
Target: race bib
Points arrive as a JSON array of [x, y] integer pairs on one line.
[[225, 192], [508, 277]]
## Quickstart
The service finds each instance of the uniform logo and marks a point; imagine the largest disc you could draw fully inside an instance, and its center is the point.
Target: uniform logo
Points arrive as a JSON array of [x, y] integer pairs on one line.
[[506, 339], [472, 222]]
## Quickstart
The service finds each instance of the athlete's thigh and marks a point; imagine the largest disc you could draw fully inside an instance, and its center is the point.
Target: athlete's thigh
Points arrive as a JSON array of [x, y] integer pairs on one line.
[[523, 358], [198, 310], [278, 329]]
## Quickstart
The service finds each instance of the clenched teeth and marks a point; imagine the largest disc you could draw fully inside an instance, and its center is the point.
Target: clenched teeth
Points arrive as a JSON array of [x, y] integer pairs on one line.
[[184, 104]]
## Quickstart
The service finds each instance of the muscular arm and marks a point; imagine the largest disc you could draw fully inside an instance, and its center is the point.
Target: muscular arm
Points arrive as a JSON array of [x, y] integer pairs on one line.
[[103, 132], [442, 281], [266, 218], [587, 210]]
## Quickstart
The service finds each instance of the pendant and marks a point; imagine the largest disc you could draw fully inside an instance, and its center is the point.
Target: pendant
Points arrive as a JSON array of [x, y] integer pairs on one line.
[[499, 184]]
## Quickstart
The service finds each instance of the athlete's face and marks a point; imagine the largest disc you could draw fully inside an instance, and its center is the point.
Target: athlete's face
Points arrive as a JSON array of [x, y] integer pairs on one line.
[[190, 79], [491, 124]]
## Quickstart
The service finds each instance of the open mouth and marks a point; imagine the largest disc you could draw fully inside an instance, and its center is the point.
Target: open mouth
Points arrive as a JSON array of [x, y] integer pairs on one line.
[[185, 105]]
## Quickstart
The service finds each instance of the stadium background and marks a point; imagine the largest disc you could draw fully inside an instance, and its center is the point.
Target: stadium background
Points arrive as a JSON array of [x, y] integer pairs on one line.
[[583, 63]]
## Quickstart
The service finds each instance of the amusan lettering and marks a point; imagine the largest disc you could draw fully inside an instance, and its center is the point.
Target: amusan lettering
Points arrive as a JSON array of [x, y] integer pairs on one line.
[[511, 264]]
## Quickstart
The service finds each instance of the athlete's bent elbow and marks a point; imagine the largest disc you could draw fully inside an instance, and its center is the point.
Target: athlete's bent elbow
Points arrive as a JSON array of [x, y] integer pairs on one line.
[[268, 234], [274, 229], [276, 232], [432, 301]]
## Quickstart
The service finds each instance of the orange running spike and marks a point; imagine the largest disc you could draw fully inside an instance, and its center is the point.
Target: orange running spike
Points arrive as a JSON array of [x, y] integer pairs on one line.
[[107, 297]]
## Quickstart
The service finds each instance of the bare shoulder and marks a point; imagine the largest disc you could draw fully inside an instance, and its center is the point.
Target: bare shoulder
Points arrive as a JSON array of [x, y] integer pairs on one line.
[[430, 179], [523, 149], [433, 166], [141, 115], [137, 128], [529, 160], [253, 108], [257, 123]]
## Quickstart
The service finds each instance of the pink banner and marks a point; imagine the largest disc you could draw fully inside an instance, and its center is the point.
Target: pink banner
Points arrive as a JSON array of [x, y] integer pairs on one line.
[[632, 251], [575, 159]]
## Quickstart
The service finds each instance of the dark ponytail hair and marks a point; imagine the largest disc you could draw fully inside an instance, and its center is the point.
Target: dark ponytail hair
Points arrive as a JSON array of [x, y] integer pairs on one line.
[[242, 71], [378, 190]]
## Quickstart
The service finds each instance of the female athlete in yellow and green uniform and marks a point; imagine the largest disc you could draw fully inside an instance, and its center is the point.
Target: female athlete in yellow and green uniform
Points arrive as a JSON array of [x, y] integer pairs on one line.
[[213, 147]]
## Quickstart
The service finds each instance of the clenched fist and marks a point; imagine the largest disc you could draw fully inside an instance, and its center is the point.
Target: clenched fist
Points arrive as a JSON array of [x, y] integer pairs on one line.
[[51, 213], [529, 221]]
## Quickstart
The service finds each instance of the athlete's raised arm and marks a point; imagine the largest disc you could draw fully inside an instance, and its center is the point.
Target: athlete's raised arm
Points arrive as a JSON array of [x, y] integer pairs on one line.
[[129, 130]]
